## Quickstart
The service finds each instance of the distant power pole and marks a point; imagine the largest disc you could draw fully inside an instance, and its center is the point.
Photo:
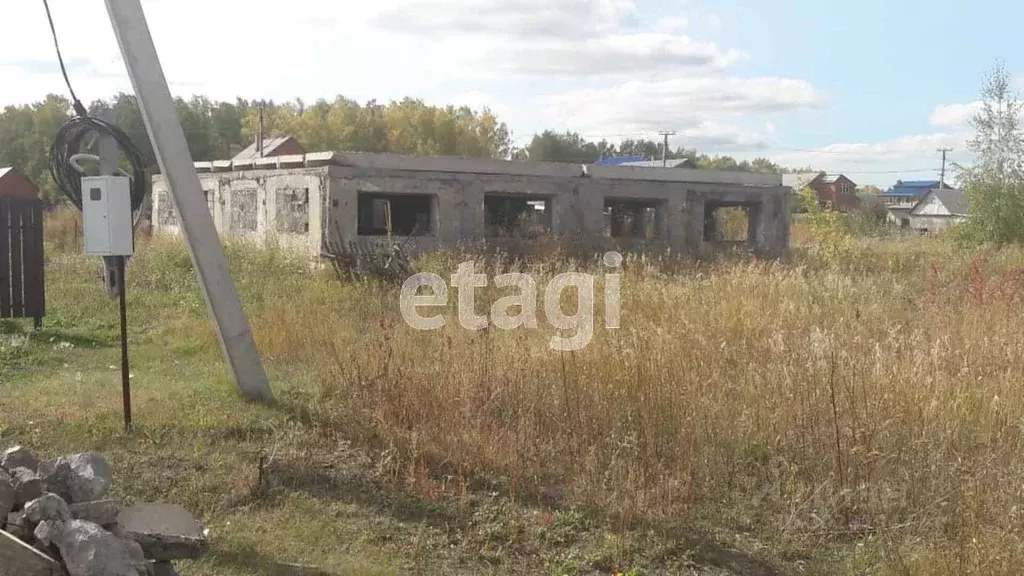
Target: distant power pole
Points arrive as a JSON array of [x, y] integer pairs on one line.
[[942, 174], [664, 150], [259, 134]]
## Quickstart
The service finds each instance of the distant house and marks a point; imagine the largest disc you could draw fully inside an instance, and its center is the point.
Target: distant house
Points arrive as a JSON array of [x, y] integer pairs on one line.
[[799, 181], [833, 191], [906, 194], [939, 209], [670, 163], [643, 162], [277, 146], [14, 184], [618, 160]]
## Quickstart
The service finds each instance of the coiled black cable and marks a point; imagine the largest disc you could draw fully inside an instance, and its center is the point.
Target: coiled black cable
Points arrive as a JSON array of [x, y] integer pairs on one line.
[[68, 141]]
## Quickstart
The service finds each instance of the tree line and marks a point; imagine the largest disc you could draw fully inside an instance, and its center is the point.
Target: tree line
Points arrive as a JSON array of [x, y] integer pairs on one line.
[[219, 130]]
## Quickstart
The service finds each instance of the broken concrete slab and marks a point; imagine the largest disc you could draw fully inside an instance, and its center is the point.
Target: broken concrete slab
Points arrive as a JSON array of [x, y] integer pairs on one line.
[[47, 507], [18, 457], [82, 537], [77, 478], [20, 559], [27, 486], [89, 550], [102, 512], [165, 531]]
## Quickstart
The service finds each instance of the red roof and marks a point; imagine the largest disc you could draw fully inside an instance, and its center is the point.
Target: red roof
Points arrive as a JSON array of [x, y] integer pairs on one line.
[[14, 184]]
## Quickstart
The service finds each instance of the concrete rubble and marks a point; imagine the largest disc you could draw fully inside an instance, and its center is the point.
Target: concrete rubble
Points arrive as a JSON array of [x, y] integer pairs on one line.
[[56, 520]]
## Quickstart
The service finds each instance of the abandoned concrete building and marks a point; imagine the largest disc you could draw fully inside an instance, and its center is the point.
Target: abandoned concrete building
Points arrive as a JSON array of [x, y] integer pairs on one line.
[[304, 201]]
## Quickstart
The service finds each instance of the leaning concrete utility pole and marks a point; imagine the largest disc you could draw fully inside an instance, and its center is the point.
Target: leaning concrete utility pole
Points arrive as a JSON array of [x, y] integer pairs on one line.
[[175, 160]]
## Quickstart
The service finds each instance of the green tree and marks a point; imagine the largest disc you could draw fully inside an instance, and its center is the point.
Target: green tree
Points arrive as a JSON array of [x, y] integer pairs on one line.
[[831, 237], [551, 146], [218, 130], [26, 134], [994, 184]]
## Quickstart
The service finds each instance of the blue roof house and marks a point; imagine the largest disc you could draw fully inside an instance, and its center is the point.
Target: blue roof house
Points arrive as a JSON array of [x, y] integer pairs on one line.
[[910, 191], [619, 160]]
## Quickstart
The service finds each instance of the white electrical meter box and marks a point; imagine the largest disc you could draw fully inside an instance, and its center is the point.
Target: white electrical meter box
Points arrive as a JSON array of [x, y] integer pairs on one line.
[[107, 216]]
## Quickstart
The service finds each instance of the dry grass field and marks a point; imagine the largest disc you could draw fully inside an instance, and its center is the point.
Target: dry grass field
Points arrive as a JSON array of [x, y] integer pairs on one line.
[[859, 414]]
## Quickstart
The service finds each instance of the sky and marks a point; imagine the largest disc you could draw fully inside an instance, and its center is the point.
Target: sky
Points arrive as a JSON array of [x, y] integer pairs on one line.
[[870, 89]]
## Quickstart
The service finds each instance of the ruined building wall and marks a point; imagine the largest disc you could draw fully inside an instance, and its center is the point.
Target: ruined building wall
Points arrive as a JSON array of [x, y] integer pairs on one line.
[[280, 207], [577, 206], [301, 207]]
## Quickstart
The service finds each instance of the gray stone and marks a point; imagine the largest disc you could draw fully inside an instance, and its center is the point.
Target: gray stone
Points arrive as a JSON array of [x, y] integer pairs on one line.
[[18, 525], [165, 531], [77, 478], [27, 486], [20, 559], [89, 550], [56, 476], [6, 494], [47, 531], [18, 457], [47, 507], [102, 512]]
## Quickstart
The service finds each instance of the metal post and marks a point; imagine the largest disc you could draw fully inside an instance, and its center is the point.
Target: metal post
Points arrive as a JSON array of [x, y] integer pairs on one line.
[[114, 267], [175, 160], [126, 388]]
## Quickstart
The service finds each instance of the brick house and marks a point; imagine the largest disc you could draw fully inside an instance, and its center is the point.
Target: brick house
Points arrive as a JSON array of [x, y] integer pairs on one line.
[[834, 191]]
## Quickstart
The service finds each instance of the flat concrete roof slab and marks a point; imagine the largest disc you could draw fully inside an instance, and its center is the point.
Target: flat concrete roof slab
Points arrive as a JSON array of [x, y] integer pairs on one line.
[[462, 165], [165, 531]]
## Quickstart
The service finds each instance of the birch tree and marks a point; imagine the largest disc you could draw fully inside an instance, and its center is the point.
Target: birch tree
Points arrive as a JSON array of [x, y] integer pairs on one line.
[[994, 184]]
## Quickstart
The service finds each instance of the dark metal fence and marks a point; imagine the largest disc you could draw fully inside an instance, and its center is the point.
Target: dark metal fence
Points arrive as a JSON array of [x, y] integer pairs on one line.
[[22, 290]]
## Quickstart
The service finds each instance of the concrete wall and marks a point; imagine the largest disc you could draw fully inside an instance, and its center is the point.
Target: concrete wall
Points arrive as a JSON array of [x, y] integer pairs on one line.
[[304, 207], [934, 223], [577, 203], [282, 207]]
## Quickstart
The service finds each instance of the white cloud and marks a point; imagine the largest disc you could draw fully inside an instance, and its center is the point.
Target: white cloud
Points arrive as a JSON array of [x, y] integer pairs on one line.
[[506, 18], [617, 75], [882, 163], [551, 37], [953, 115], [671, 24], [252, 57], [621, 54], [680, 104], [900, 149], [475, 99], [719, 137]]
